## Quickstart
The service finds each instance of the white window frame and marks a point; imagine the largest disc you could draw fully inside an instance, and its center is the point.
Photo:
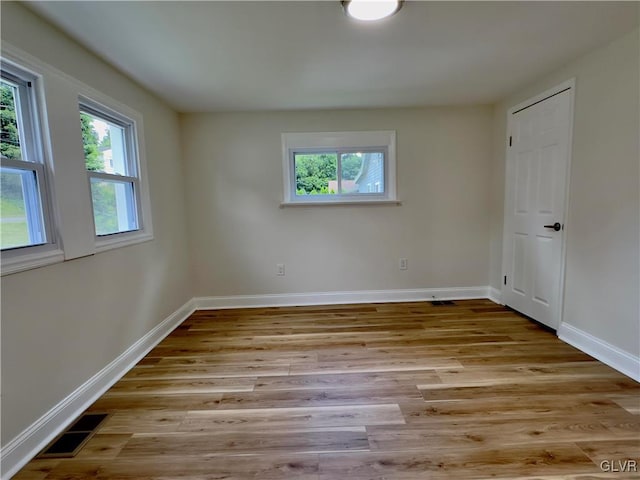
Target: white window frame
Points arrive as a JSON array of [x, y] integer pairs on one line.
[[68, 194], [131, 122], [339, 142], [35, 143]]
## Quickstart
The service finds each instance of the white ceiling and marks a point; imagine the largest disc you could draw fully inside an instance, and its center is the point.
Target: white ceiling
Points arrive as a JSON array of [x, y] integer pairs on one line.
[[210, 56]]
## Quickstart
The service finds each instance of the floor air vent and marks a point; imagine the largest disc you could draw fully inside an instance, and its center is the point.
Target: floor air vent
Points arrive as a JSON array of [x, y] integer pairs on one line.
[[71, 441], [437, 303]]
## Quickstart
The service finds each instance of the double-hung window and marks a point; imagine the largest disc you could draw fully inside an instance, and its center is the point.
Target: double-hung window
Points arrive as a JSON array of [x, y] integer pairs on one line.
[[101, 201], [111, 160], [339, 167], [26, 226]]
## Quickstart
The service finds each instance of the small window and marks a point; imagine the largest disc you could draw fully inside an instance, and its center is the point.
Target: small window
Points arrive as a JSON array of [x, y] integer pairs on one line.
[[342, 173], [339, 167], [111, 161], [25, 222]]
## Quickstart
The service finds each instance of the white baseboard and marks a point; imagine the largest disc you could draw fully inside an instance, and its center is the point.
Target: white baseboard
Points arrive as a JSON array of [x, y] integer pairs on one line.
[[495, 295], [27, 444], [622, 361], [333, 298]]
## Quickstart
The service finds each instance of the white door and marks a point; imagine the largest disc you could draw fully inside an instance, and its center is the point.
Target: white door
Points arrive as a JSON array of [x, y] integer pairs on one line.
[[536, 174]]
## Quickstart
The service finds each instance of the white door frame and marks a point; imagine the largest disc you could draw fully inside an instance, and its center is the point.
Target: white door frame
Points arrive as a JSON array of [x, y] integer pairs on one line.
[[569, 85]]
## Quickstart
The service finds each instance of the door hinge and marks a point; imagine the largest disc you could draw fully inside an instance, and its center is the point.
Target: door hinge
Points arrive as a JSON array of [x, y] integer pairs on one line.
[[505, 279], [29, 84], [510, 140]]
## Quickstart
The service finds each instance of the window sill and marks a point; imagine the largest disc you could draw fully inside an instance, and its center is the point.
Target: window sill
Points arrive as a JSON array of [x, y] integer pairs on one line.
[[122, 240], [30, 261], [21, 263], [370, 203]]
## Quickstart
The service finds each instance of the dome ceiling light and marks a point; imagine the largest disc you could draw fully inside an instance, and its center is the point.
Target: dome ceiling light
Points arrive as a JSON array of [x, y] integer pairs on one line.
[[371, 10]]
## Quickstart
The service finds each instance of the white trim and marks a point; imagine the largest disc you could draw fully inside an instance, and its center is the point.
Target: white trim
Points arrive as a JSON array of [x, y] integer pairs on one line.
[[363, 139], [566, 223], [30, 261], [17, 452], [122, 240], [36, 66], [622, 361], [568, 84], [34, 256], [338, 140], [132, 121], [495, 295], [330, 203], [336, 298]]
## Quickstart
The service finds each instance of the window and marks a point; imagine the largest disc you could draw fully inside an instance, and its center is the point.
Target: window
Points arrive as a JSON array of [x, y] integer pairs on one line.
[[25, 221], [101, 205], [339, 167], [110, 157], [339, 172]]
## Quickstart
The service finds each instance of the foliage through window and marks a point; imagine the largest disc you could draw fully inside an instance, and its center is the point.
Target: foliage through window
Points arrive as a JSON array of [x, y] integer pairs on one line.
[[110, 160], [339, 167], [338, 173], [24, 219]]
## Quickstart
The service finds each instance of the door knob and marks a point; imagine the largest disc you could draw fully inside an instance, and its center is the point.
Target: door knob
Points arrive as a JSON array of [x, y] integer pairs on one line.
[[556, 226]]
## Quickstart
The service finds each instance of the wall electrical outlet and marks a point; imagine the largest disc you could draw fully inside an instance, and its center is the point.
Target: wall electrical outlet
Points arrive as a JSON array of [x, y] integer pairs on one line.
[[403, 264], [280, 269]]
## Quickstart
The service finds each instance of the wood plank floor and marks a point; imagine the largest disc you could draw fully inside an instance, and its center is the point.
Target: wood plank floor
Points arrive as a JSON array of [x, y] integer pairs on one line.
[[361, 392]]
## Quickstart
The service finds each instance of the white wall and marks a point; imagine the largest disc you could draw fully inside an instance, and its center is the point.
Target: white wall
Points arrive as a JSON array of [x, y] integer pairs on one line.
[[63, 323], [603, 244], [238, 232]]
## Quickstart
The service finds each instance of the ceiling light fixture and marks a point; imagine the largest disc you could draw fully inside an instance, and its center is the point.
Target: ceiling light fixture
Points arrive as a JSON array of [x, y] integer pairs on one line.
[[370, 10]]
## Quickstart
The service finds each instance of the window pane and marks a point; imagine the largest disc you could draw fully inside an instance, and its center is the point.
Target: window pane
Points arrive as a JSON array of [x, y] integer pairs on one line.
[[351, 164], [10, 136], [316, 173], [21, 220], [370, 175], [114, 208], [104, 145]]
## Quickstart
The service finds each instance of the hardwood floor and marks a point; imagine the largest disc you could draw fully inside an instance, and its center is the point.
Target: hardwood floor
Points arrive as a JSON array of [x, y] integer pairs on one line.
[[377, 391]]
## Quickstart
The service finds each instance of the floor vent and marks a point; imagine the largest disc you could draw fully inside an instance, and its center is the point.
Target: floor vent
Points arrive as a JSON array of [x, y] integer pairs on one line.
[[438, 303], [71, 441]]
